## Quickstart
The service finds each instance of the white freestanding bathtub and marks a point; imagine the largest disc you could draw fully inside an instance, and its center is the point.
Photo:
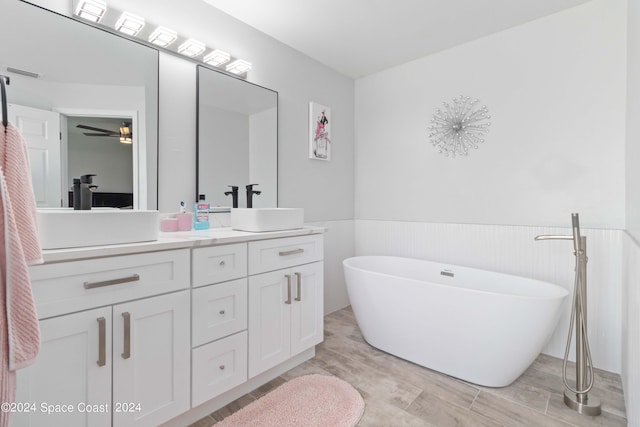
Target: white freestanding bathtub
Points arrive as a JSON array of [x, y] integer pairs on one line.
[[479, 326]]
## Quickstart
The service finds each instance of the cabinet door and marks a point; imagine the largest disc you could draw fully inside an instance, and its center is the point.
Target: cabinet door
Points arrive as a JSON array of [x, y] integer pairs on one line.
[[151, 352], [73, 369], [307, 308], [269, 321]]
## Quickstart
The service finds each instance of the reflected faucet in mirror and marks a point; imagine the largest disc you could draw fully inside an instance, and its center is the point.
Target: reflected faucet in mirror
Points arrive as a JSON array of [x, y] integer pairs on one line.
[[83, 189]]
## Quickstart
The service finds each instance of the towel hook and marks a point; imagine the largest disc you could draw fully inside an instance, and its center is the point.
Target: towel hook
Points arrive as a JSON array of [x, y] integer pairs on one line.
[[4, 81]]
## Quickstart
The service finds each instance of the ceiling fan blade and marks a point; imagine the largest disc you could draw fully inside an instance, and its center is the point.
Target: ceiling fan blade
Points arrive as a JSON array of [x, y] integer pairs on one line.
[[96, 129], [101, 134]]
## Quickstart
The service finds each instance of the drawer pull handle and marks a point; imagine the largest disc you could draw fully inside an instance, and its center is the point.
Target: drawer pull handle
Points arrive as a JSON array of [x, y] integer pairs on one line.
[[299, 277], [222, 312], [127, 335], [291, 252], [102, 341], [93, 285], [222, 367], [222, 263], [288, 301]]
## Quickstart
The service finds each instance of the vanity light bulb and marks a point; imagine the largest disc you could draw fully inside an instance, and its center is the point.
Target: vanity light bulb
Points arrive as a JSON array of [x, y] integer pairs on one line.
[[130, 24], [191, 48], [163, 36], [217, 57], [91, 10], [239, 66]]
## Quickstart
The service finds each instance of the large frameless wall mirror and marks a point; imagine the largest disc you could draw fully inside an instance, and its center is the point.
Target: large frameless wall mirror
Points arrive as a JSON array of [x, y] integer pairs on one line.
[[86, 102], [237, 140]]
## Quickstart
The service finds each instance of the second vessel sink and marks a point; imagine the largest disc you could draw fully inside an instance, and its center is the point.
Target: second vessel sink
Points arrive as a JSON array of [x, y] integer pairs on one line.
[[67, 228], [266, 219]]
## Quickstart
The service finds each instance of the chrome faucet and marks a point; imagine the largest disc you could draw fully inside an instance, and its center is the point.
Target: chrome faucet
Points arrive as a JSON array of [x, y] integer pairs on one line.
[[578, 398]]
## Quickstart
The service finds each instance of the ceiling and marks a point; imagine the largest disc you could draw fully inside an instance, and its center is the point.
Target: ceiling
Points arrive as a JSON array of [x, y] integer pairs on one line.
[[361, 37]]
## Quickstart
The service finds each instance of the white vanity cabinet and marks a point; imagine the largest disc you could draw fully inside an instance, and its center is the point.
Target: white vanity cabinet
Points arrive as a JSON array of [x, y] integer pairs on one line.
[[114, 342], [286, 304], [137, 336]]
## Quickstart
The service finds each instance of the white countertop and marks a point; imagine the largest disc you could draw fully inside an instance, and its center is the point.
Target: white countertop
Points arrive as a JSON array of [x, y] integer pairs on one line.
[[173, 240]]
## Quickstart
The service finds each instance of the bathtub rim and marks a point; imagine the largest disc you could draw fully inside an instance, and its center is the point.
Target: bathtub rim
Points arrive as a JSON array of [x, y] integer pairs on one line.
[[560, 292]]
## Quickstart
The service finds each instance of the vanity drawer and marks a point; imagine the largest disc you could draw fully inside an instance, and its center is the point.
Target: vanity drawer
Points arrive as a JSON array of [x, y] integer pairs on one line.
[[218, 310], [274, 254], [218, 367], [67, 287], [216, 264]]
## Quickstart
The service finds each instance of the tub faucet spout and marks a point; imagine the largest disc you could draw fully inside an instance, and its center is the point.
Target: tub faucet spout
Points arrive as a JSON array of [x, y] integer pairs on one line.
[[553, 237], [578, 240]]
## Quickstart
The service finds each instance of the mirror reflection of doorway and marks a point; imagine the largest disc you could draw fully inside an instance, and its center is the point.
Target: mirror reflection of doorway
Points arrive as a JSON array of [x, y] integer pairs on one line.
[[102, 146], [62, 147]]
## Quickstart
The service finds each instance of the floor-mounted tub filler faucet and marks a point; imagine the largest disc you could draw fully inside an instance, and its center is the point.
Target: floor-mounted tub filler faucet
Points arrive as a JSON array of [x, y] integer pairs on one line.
[[578, 398]]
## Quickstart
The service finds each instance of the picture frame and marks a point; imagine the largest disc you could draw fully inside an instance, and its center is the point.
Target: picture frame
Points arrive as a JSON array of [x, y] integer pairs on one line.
[[319, 132]]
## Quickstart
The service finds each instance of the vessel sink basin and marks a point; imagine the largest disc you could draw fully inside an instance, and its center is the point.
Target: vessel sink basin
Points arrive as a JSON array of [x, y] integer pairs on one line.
[[67, 228], [266, 219]]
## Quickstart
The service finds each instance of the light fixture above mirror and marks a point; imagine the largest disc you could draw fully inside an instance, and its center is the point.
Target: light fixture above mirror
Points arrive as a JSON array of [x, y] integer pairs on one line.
[[97, 12]]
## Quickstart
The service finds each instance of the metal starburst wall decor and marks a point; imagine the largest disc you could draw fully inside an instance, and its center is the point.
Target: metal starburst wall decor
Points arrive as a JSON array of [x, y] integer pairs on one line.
[[459, 126]]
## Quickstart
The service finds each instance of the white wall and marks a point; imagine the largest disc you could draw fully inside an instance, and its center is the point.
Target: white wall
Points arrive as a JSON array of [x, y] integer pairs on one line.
[[555, 89], [631, 284]]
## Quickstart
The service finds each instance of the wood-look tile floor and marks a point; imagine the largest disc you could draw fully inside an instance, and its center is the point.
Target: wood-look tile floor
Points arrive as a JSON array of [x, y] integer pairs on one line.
[[400, 393]]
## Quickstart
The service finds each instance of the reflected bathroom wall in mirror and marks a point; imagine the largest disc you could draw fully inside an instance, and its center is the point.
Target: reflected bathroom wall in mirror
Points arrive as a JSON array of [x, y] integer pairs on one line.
[[237, 140], [79, 71]]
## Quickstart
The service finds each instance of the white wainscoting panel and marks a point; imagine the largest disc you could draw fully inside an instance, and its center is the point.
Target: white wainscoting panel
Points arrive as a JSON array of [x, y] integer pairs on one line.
[[631, 331], [512, 250], [338, 245]]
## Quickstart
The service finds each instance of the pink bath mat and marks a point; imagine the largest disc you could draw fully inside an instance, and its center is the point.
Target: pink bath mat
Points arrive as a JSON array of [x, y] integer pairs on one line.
[[310, 401]]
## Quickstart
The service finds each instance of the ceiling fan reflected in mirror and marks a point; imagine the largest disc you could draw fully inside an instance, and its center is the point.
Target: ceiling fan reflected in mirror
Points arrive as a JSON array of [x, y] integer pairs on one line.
[[124, 132]]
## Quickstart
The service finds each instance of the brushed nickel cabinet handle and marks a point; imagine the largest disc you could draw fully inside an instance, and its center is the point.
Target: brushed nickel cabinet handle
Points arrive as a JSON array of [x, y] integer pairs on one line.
[[92, 285], [288, 301], [102, 341], [291, 252], [299, 277], [127, 335]]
